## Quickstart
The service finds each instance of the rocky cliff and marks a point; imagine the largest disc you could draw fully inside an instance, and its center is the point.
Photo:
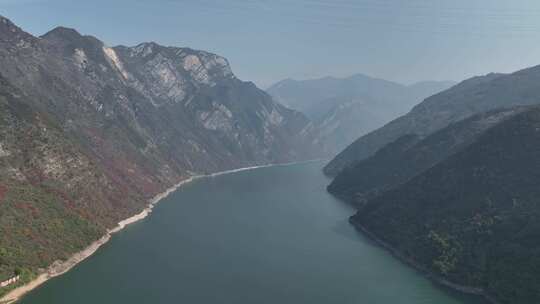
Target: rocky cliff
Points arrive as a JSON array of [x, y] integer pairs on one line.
[[91, 132]]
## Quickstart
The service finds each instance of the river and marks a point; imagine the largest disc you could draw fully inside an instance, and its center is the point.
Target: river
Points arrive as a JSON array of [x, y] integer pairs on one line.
[[268, 235]]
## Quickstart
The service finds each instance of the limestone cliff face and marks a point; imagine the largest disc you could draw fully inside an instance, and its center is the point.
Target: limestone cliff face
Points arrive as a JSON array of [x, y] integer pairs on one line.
[[95, 130]]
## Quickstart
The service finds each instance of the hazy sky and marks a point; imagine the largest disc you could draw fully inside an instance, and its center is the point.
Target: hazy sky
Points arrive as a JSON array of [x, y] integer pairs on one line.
[[268, 40]]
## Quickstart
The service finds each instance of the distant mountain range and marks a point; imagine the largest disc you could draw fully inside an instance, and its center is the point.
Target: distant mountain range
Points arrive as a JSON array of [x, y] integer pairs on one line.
[[472, 96], [90, 132], [452, 186], [343, 109]]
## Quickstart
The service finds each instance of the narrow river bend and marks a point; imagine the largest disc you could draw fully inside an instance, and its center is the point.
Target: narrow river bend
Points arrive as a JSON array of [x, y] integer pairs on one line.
[[269, 235]]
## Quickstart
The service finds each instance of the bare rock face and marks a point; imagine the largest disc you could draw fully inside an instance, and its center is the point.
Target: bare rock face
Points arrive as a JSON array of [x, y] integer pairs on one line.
[[99, 130], [160, 96]]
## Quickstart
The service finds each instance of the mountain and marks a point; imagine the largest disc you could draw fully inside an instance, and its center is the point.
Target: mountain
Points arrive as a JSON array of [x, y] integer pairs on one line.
[[342, 124], [316, 97], [471, 220], [411, 155], [91, 132], [472, 96], [344, 109]]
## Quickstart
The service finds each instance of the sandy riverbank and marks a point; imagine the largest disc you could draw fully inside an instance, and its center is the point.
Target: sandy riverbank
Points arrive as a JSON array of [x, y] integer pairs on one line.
[[60, 267]]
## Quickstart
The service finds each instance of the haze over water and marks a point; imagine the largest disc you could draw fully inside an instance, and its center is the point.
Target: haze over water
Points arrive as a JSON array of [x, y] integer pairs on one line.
[[269, 235]]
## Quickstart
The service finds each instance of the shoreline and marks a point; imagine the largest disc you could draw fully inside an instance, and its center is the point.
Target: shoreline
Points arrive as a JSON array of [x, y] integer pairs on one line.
[[475, 291], [59, 268]]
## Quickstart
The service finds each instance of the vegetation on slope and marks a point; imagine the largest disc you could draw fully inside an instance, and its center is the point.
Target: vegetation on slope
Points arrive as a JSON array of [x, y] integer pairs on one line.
[[88, 133], [410, 155], [472, 96], [474, 218]]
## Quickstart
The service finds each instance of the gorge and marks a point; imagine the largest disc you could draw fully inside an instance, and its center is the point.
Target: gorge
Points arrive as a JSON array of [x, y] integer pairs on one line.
[[90, 133]]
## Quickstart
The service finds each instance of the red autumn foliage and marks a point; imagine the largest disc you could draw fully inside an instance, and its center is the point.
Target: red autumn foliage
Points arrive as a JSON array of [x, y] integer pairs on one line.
[[3, 191]]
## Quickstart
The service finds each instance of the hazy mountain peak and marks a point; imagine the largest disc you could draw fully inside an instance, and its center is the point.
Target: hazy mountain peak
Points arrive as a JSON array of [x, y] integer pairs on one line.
[[343, 109], [6, 22], [169, 74], [143, 49], [363, 77], [61, 31], [282, 83], [11, 32], [203, 65], [69, 36], [471, 96]]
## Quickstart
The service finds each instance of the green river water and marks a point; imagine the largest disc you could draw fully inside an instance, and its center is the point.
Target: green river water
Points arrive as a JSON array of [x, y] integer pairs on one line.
[[268, 235]]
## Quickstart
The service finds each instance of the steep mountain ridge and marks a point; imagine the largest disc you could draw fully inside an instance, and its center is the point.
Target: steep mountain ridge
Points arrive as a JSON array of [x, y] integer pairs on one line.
[[411, 155], [472, 219], [91, 132], [475, 95], [95, 75]]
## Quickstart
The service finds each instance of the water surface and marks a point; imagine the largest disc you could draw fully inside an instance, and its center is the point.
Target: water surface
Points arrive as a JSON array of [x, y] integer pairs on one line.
[[269, 235]]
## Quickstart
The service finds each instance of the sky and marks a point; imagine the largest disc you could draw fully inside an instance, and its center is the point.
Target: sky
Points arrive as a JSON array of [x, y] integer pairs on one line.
[[269, 40]]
